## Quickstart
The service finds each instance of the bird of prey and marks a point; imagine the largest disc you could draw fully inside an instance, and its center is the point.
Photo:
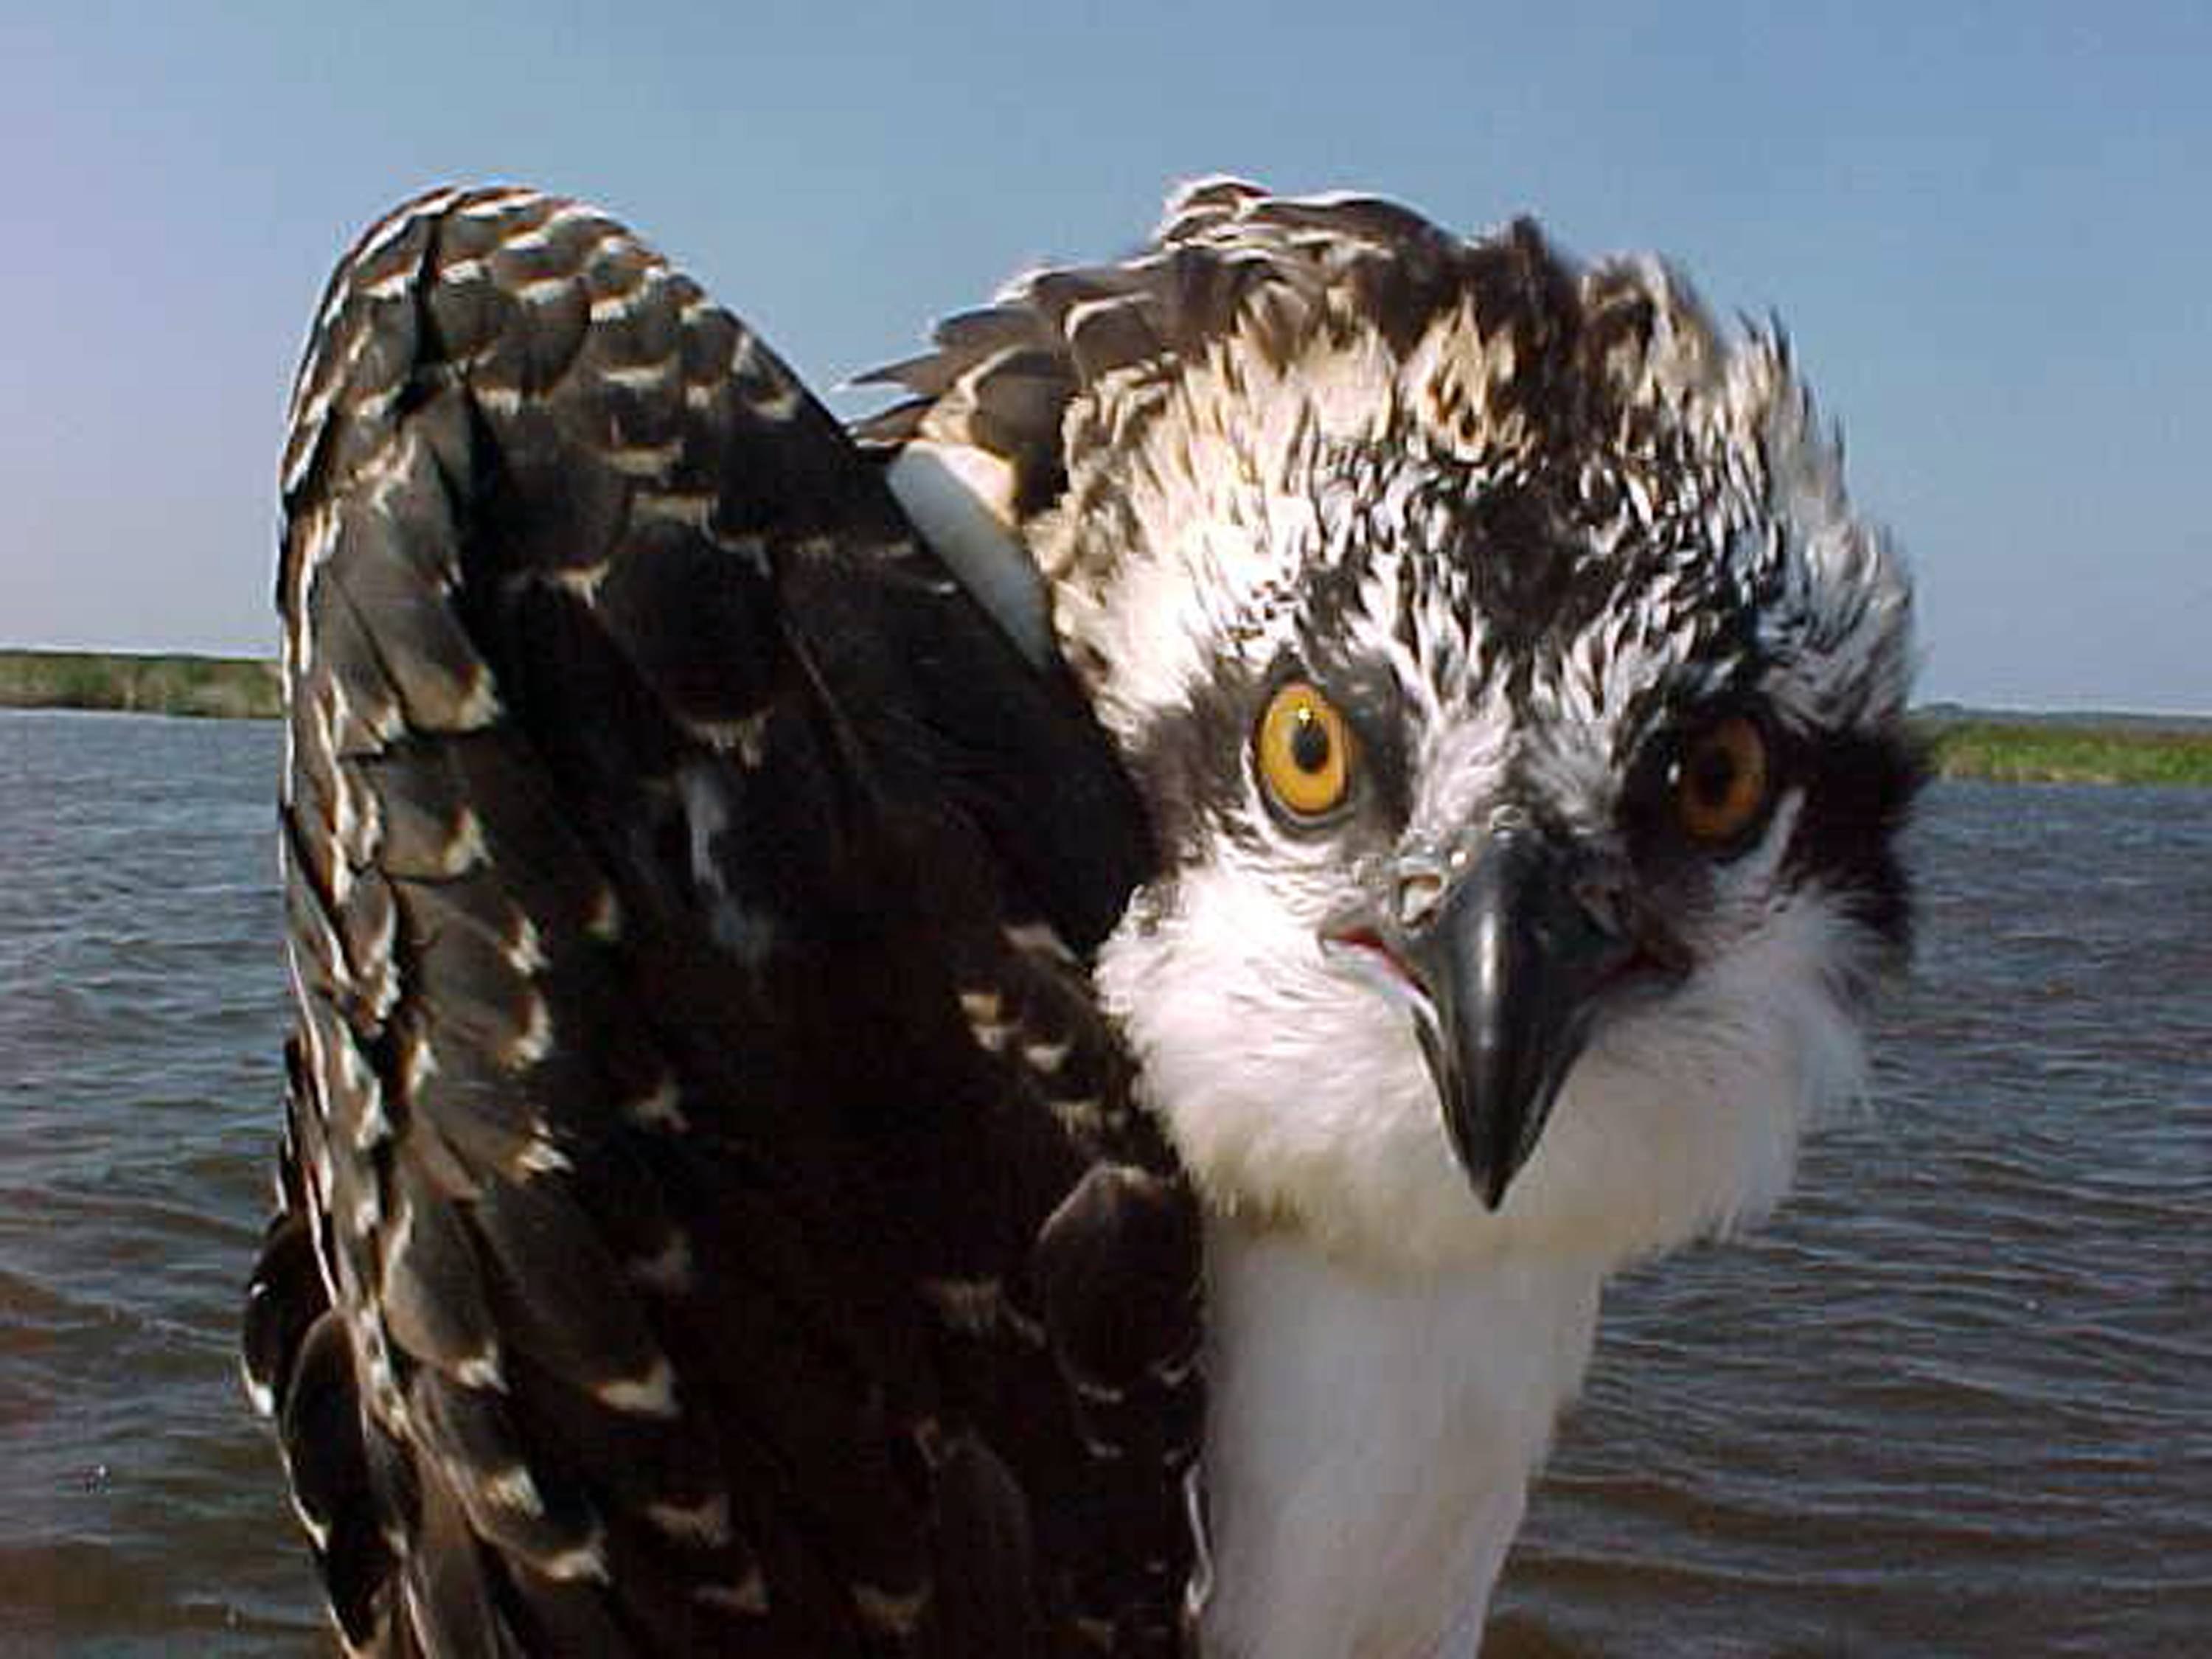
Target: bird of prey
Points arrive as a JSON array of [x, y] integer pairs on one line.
[[1031, 1029]]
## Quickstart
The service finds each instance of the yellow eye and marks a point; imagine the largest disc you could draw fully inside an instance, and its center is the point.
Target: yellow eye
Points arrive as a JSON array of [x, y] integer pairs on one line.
[[1304, 751], [1720, 783]]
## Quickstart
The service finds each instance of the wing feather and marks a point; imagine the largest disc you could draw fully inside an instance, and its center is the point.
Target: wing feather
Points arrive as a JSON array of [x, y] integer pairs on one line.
[[1067, 361], [687, 889]]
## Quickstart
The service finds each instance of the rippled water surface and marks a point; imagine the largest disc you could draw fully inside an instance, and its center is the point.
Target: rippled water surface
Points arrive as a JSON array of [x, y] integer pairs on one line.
[[1956, 1400]]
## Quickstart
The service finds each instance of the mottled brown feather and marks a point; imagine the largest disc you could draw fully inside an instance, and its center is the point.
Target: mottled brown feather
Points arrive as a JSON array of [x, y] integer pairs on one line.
[[653, 803]]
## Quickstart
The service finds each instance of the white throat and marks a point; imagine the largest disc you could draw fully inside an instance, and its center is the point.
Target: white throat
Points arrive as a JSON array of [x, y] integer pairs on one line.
[[1371, 1440]]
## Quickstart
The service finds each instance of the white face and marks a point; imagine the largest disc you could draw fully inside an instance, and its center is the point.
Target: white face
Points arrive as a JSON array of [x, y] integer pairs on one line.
[[1288, 1070], [1293, 1085]]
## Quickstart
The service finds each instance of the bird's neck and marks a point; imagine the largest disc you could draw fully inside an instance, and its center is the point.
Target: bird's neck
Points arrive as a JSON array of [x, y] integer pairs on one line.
[[1372, 1441]]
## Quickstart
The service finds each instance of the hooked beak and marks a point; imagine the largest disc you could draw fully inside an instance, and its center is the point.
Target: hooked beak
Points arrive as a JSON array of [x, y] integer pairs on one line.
[[1508, 960]]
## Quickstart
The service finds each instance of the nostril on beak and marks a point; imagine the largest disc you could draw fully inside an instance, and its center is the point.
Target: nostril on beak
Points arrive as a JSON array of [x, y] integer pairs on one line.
[[1419, 892], [1601, 902]]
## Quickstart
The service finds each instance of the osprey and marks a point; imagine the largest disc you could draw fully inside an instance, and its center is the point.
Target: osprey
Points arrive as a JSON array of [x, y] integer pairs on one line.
[[1032, 1029]]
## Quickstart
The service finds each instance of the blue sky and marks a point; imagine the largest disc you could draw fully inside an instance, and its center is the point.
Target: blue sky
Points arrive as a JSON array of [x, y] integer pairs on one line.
[[1988, 232]]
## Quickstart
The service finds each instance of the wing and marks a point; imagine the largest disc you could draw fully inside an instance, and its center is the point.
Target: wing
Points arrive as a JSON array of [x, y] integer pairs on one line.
[[1228, 257], [712, 1218], [1041, 403]]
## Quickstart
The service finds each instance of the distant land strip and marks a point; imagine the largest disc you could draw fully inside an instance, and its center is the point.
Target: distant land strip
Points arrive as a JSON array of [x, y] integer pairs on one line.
[[218, 687], [2004, 747]]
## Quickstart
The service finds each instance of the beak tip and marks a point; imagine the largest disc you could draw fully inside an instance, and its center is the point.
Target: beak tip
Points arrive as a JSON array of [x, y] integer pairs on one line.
[[1492, 1180], [1490, 1169], [1492, 1193]]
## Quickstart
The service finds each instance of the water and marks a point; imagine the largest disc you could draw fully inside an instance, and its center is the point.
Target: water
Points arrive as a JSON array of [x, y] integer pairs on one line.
[[141, 1002], [1957, 1400]]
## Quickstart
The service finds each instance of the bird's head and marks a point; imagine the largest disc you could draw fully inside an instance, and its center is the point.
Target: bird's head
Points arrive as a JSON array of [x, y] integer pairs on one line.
[[1521, 709]]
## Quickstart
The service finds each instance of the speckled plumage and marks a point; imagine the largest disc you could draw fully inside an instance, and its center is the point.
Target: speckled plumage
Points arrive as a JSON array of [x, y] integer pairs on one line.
[[645, 757], [1529, 524], [705, 1161]]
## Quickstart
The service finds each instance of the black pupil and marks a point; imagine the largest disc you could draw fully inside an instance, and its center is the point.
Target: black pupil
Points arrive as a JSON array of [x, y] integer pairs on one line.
[[1309, 742], [1712, 773]]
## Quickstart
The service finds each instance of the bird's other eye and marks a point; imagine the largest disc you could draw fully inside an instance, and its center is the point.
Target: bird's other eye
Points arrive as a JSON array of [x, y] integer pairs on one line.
[[1303, 749], [1720, 783]]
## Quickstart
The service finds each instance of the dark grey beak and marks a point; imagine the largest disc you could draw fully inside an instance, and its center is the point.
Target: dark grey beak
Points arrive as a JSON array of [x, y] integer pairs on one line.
[[1511, 958]]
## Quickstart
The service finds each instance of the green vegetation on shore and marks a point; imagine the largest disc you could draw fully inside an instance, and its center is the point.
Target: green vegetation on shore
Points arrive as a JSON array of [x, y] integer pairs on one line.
[[1963, 743], [226, 687], [2007, 752]]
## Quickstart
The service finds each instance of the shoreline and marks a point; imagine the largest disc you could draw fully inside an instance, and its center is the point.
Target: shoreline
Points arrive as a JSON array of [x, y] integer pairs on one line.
[[1992, 750], [174, 682], [1994, 747]]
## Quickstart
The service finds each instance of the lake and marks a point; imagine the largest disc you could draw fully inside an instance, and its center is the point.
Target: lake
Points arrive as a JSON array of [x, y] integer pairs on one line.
[[1956, 1399]]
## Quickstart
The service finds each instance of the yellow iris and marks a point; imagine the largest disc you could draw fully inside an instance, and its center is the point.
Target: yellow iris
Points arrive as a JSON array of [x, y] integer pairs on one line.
[[1303, 750]]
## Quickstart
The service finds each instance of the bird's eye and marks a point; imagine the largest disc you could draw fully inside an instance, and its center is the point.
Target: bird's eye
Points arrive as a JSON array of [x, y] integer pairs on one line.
[[1304, 749], [1721, 782]]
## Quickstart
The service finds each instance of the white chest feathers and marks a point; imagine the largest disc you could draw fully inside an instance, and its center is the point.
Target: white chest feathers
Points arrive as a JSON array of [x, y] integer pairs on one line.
[[1371, 1442]]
